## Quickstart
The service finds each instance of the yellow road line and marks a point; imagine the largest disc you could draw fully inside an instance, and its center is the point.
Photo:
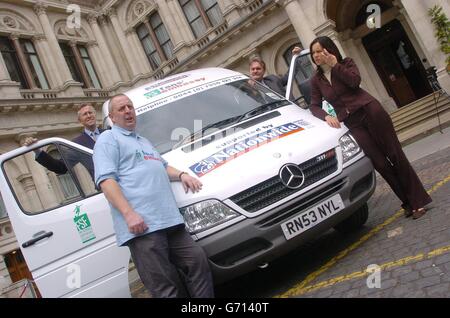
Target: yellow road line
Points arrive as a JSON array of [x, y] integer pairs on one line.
[[299, 289], [389, 265]]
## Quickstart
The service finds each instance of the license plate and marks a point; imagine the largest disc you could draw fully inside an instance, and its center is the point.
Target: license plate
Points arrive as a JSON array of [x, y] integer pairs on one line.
[[312, 216]]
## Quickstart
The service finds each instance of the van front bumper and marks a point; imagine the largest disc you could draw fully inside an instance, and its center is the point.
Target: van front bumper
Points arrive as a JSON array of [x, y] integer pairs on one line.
[[244, 246]]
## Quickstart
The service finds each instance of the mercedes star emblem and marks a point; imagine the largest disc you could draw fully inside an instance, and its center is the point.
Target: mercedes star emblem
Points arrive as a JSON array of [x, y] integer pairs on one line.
[[292, 176]]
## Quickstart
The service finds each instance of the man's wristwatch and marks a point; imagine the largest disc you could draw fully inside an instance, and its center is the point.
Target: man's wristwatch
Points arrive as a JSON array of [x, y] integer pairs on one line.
[[179, 176]]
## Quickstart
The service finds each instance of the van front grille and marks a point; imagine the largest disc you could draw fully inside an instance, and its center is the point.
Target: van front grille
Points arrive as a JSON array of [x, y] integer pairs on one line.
[[273, 190]]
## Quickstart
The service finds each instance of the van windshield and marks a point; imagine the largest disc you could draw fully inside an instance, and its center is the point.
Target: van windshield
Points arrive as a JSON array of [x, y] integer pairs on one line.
[[185, 120]]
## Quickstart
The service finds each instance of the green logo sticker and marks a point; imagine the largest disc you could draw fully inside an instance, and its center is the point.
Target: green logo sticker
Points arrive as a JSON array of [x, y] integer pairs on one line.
[[152, 93], [83, 225]]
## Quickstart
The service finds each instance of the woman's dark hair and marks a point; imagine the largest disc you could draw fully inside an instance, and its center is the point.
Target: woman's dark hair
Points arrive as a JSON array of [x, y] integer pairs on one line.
[[328, 45]]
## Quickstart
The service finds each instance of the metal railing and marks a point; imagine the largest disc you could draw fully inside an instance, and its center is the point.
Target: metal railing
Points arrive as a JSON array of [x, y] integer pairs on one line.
[[21, 289]]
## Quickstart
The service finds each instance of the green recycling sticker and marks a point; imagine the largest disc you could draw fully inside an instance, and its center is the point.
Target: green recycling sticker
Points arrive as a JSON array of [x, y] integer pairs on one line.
[[83, 225]]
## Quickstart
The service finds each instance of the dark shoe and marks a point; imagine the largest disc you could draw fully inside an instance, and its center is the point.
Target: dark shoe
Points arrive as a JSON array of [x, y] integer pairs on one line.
[[418, 213], [407, 211]]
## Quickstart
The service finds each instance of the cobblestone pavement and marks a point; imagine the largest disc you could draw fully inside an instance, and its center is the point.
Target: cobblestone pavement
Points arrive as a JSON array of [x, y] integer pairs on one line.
[[414, 255]]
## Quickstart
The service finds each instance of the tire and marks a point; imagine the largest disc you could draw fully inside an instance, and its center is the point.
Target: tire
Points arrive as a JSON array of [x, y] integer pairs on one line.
[[354, 221]]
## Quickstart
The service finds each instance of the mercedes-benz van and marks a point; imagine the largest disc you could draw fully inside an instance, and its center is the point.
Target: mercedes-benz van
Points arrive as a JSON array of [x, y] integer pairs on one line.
[[273, 175]]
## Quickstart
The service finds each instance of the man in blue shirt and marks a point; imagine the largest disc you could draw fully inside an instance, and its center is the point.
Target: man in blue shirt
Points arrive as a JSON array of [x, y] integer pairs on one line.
[[136, 181]]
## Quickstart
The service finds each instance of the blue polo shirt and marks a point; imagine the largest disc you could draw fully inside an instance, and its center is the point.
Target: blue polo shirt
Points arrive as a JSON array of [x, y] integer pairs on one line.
[[140, 171]]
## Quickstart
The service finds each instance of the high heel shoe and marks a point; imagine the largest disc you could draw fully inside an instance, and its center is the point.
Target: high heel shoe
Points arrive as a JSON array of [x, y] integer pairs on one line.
[[418, 213]]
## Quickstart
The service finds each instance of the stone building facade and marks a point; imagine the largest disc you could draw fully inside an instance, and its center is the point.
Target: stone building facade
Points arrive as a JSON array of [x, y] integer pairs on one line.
[[58, 54]]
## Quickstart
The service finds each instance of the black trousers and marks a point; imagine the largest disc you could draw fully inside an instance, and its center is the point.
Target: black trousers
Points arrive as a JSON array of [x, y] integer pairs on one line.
[[372, 128], [172, 265]]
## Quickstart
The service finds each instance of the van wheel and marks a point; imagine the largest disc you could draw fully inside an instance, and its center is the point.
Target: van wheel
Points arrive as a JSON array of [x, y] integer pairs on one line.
[[354, 221]]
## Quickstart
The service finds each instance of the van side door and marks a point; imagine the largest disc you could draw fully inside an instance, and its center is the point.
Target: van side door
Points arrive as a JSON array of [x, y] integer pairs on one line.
[[62, 222]]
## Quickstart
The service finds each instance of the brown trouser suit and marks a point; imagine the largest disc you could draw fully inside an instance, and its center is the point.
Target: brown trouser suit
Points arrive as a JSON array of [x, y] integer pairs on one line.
[[372, 128]]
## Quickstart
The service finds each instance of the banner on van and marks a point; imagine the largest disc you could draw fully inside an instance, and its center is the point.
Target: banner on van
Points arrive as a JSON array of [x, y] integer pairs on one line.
[[232, 152], [165, 94]]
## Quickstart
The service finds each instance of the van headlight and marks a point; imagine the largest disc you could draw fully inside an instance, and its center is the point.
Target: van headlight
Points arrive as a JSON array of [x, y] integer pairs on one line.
[[204, 215], [349, 146]]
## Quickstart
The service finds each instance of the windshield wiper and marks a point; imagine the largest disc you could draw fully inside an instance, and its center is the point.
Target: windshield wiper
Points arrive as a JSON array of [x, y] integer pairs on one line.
[[219, 124], [262, 109]]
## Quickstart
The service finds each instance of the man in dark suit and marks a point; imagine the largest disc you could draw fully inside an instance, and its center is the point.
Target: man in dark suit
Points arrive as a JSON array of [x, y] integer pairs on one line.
[[87, 118], [274, 82]]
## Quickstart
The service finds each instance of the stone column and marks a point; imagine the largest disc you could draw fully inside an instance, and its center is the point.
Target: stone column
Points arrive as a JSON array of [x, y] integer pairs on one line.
[[97, 60], [117, 54], [416, 14], [50, 68], [55, 50], [113, 73], [112, 14], [175, 33], [180, 20], [299, 21], [136, 46]]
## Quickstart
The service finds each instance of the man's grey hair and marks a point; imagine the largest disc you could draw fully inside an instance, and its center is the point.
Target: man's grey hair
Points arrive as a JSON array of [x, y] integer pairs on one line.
[[110, 101], [257, 59], [83, 106]]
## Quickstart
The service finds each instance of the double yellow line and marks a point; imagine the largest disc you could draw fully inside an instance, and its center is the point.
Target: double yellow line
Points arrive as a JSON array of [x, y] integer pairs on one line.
[[303, 287]]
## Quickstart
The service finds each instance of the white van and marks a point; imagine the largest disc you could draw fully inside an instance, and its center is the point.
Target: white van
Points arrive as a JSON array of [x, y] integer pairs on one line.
[[273, 175]]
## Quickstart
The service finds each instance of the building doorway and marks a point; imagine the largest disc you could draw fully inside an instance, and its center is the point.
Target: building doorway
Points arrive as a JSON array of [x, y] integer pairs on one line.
[[397, 63], [18, 269]]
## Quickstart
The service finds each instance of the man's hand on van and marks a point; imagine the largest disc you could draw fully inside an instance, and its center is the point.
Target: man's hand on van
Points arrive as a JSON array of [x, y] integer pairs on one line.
[[296, 50], [332, 121], [190, 182], [29, 141]]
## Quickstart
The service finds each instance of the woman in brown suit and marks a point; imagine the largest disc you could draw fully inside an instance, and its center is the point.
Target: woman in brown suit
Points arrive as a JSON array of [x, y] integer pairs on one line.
[[337, 80]]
